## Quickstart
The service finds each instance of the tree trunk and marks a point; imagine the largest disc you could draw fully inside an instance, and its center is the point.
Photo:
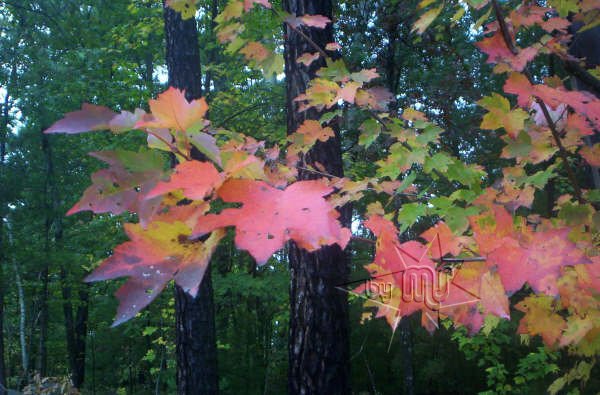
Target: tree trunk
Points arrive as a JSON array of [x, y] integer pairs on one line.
[[43, 296], [75, 328], [392, 72], [318, 346], [195, 317], [22, 310], [3, 256]]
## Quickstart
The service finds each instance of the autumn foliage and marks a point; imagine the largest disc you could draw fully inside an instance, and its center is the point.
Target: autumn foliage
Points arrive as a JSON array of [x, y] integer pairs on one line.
[[480, 253]]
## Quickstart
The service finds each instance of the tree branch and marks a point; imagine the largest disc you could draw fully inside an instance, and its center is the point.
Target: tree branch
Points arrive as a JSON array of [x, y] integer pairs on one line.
[[555, 134]]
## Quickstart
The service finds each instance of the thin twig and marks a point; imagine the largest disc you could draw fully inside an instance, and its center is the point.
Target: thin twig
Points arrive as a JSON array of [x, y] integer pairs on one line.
[[303, 35], [240, 112]]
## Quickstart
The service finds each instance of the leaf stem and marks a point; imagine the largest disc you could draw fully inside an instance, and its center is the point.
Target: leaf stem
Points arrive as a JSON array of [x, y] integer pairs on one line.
[[172, 147]]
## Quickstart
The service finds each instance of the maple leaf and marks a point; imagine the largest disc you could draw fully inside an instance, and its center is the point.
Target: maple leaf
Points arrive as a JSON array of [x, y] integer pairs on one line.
[[255, 51], [321, 92], [127, 120], [318, 21], [498, 52], [501, 116], [232, 10], [578, 327], [269, 217], [333, 47], [172, 110], [206, 144], [578, 286], [591, 154], [243, 165], [124, 185], [187, 8], [377, 98], [229, 33], [312, 131], [150, 259], [370, 130], [476, 293], [307, 58], [443, 240], [426, 19], [90, 118], [196, 179], [491, 227], [582, 102], [364, 75], [540, 318], [552, 24], [418, 285], [348, 91], [248, 4], [536, 259], [528, 15]]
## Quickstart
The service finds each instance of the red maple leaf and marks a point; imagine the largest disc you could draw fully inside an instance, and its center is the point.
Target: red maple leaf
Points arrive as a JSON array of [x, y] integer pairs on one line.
[[416, 283], [444, 241], [269, 217], [582, 102], [196, 180], [498, 52], [524, 256]]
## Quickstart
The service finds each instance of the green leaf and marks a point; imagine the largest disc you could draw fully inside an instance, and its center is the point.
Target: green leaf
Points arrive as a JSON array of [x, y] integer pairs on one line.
[[408, 180], [149, 330], [540, 179], [429, 134], [439, 162], [518, 148], [564, 6], [370, 130], [409, 213], [575, 214]]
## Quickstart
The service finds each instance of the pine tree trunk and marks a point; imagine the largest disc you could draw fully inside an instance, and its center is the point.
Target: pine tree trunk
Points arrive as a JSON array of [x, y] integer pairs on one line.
[[195, 317], [318, 345]]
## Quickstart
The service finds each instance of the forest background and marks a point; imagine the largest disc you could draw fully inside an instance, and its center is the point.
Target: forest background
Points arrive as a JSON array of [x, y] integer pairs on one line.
[[56, 55]]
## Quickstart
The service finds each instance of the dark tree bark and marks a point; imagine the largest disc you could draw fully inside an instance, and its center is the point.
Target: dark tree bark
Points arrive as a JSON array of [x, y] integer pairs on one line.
[[393, 72], [318, 345], [75, 319], [195, 317]]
